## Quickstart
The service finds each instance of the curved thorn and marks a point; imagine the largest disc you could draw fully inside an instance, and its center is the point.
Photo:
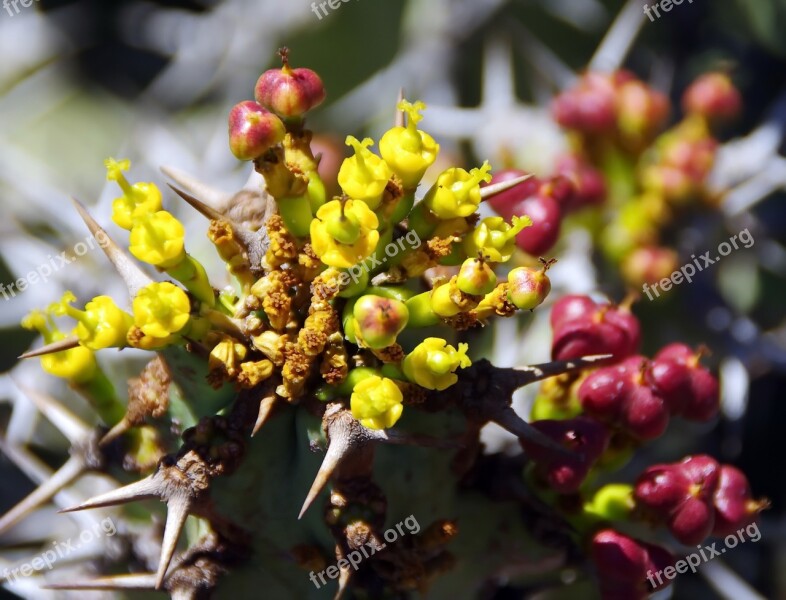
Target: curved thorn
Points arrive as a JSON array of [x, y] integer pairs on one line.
[[119, 429], [66, 422], [64, 344], [178, 508], [401, 117], [503, 186], [265, 411], [141, 581], [147, 488], [204, 209], [64, 476], [532, 373], [135, 279], [207, 195], [510, 421], [336, 452]]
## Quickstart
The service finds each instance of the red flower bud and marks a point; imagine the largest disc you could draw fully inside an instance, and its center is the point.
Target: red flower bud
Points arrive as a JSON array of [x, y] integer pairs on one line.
[[714, 96], [253, 130], [289, 92]]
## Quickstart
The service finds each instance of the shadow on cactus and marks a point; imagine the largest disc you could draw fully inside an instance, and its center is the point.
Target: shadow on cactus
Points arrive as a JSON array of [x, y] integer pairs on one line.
[[328, 396]]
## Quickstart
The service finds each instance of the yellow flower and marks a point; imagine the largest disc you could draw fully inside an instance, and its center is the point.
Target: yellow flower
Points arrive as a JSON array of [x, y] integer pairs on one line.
[[77, 364], [494, 238], [457, 192], [343, 234], [377, 402], [161, 309], [158, 239], [407, 150], [432, 364], [365, 175], [137, 200], [101, 325]]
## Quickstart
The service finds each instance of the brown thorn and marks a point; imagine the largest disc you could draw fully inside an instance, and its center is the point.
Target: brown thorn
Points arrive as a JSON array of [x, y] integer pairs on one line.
[[503, 186], [59, 346]]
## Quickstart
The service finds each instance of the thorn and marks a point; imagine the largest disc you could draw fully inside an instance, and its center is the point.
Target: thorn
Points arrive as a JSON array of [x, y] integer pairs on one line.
[[204, 209], [510, 421], [119, 429], [66, 422], [243, 235], [401, 117], [532, 373], [178, 508], [149, 487], [337, 450], [266, 407], [64, 476], [133, 276], [503, 186], [343, 583], [205, 194], [65, 344], [141, 581], [414, 439]]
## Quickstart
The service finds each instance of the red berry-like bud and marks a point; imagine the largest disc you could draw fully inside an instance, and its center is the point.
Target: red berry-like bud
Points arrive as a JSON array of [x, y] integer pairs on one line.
[[528, 288], [571, 308], [603, 393], [703, 401], [626, 566], [585, 337], [590, 107], [585, 438], [714, 96], [289, 92], [703, 471], [253, 130], [692, 523], [672, 381], [589, 187], [622, 318], [660, 490], [734, 505], [649, 265], [644, 415], [540, 237], [505, 203]]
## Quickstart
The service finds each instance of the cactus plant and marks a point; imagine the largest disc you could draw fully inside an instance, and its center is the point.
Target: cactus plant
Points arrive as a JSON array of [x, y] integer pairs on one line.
[[329, 399]]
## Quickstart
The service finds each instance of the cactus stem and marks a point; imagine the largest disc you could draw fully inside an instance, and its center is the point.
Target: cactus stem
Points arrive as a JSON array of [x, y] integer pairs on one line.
[[503, 186], [134, 278], [64, 344], [73, 468]]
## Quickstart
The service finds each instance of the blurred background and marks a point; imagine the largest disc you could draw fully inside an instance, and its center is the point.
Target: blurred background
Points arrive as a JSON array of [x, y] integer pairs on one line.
[[153, 81]]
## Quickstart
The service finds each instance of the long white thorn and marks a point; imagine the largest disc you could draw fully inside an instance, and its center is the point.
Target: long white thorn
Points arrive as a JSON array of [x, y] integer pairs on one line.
[[135, 279], [336, 452], [149, 487], [59, 346], [178, 509], [63, 477], [142, 581], [72, 427], [503, 186], [214, 198]]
